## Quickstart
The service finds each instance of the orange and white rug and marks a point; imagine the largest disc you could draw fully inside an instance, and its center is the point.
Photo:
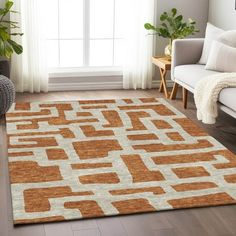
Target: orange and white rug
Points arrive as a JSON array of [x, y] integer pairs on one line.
[[83, 159]]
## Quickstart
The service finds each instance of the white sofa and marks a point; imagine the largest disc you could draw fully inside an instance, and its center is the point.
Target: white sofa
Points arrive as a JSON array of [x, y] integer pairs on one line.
[[187, 72]]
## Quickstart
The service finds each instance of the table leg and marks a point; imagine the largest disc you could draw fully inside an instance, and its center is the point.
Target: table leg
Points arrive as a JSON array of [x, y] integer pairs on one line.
[[174, 91], [163, 79], [161, 87]]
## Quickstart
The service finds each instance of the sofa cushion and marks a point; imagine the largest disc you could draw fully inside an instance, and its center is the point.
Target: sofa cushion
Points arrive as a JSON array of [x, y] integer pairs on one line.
[[228, 38], [212, 33], [191, 74], [228, 97], [221, 58]]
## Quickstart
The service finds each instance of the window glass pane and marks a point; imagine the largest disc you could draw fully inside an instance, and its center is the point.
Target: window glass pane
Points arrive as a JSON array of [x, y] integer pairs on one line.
[[52, 53], [65, 32], [101, 18], [119, 52], [119, 18], [71, 19], [51, 15], [71, 53], [101, 52]]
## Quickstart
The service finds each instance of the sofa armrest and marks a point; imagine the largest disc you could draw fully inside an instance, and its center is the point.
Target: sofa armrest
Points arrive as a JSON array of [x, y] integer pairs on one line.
[[186, 51]]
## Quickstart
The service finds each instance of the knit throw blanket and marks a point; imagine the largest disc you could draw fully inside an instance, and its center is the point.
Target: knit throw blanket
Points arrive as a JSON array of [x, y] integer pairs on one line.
[[207, 92]]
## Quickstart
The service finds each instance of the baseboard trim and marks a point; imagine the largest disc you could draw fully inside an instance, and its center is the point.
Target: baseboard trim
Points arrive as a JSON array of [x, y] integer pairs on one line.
[[98, 85], [156, 83], [85, 86]]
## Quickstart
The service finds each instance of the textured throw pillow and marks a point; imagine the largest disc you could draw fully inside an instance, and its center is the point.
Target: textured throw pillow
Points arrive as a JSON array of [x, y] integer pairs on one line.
[[222, 58], [212, 33], [228, 38]]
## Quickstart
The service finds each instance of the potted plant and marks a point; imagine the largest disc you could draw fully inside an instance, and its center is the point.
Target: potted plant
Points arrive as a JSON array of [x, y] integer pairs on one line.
[[173, 27], [7, 45]]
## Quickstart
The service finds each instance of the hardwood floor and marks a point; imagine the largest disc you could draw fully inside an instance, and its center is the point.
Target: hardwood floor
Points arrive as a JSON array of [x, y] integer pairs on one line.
[[211, 221]]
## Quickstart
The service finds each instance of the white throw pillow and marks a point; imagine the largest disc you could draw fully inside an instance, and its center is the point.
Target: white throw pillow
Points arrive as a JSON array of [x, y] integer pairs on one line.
[[212, 33], [222, 58], [228, 38]]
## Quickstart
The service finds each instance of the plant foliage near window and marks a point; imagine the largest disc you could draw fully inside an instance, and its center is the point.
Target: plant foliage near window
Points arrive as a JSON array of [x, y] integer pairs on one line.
[[7, 45], [173, 26]]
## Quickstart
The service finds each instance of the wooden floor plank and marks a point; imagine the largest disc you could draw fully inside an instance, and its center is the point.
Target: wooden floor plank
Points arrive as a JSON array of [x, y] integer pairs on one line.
[[185, 223], [58, 229], [88, 232], [167, 232], [111, 226], [211, 222], [83, 224], [157, 221], [137, 225], [27, 230], [171, 223], [227, 215]]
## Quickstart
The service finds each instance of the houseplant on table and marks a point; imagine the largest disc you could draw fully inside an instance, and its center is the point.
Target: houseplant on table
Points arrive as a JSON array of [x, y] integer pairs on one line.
[[172, 27]]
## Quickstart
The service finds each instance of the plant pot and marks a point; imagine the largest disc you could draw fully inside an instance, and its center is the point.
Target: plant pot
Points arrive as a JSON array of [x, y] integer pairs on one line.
[[5, 68]]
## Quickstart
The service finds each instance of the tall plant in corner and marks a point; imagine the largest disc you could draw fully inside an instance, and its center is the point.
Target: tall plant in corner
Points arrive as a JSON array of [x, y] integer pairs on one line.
[[173, 27], [7, 45]]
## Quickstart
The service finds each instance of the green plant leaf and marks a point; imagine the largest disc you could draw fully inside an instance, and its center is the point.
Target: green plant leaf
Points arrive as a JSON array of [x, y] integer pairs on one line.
[[8, 51], [7, 45], [9, 5], [18, 49], [179, 18], [164, 16], [164, 33], [2, 11], [4, 34], [15, 34], [174, 12], [2, 47], [149, 26], [164, 25], [9, 22], [14, 11], [4, 28]]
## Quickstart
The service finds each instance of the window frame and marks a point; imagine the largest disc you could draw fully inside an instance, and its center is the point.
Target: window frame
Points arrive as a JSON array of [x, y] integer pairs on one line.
[[85, 70]]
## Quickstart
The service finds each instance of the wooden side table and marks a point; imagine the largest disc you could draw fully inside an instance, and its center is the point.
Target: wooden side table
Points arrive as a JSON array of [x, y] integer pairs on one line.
[[164, 65]]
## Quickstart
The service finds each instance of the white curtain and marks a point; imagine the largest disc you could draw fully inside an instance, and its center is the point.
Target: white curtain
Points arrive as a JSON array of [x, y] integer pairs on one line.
[[29, 70], [137, 71]]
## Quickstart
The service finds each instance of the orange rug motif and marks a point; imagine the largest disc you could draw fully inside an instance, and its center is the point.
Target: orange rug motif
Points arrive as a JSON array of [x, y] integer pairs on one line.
[[84, 159]]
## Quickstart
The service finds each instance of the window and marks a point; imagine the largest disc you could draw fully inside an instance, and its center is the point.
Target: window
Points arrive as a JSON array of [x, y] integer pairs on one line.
[[84, 33]]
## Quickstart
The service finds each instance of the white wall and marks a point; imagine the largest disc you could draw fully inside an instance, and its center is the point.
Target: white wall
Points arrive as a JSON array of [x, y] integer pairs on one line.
[[222, 13]]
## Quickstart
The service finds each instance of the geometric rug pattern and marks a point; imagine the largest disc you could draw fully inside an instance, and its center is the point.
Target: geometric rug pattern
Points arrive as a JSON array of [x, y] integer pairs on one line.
[[84, 159]]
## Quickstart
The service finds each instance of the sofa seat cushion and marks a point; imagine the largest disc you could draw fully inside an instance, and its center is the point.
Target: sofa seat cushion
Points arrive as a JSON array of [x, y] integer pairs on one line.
[[228, 98], [191, 74]]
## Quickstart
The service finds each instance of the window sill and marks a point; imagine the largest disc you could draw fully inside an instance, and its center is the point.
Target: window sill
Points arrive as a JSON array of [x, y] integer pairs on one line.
[[85, 72]]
